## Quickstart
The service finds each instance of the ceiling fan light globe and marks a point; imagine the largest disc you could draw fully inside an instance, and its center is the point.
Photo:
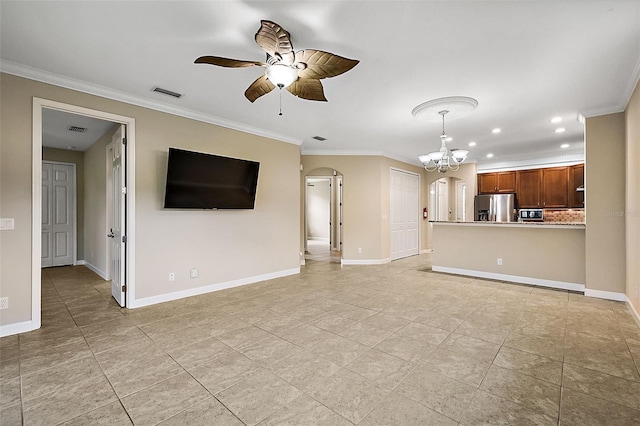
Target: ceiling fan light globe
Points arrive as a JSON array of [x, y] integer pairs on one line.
[[281, 75]]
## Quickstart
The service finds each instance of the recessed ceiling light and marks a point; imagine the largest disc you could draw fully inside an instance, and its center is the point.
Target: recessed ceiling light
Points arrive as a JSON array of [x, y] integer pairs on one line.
[[489, 155], [472, 144], [496, 131], [71, 147], [564, 146], [560, 130], [556, 119]]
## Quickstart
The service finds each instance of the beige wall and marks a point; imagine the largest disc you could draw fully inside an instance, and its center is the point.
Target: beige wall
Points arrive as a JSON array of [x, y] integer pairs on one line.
[[632, 218], [605, 203], [77, 158], [95, 204], [555, 254], [223, 245], [366, 192]]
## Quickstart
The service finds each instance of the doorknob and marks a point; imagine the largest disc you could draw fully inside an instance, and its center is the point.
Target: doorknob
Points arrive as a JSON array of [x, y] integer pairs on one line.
[[111, 236]]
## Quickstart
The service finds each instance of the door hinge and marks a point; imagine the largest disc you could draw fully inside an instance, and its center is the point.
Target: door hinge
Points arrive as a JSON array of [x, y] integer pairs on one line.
[[124, 288], [124, 238], [124, 190], [124, 141]]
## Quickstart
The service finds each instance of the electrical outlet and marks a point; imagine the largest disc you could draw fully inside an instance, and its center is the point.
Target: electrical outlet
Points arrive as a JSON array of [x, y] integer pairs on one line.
[[172, 276], [193, 273], [4, 303], [359, 249], [499, 261]]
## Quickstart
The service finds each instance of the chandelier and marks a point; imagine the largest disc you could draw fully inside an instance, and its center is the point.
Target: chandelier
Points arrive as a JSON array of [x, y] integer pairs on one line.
[[444, 159]]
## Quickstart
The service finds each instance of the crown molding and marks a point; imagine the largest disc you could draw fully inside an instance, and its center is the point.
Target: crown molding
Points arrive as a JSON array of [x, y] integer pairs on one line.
[[42, 76], [631, 85], [413, 162]]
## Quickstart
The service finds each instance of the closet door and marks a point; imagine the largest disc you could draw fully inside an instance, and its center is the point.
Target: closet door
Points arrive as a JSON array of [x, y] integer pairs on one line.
[[58, 215], [404, 214]]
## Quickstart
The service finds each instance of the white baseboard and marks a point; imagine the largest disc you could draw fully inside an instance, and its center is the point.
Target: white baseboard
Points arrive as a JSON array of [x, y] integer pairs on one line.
[[513, 278], [635, 314], [364, 261], [100, 272], [16, 328], [609, 295], [147, 301]]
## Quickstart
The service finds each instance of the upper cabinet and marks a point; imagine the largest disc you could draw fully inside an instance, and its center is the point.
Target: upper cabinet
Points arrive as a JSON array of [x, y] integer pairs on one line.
[[555, 187], [576, 180], [529, 189], [495, 183]]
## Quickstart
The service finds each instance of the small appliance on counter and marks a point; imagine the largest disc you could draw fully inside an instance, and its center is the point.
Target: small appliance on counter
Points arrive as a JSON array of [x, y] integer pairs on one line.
[[531, 215], [494, 208]]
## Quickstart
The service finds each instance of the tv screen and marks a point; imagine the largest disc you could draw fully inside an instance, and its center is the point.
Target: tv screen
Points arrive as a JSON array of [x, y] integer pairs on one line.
[[205, 181]]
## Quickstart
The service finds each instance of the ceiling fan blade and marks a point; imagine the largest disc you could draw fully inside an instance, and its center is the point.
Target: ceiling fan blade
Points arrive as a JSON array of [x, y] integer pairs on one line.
[[306, 88], [276, 41], [228, 63], [260, 87], [321, 64]]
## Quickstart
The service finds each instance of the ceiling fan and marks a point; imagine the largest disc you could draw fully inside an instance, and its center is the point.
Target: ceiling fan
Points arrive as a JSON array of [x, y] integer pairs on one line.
[[299, 72]]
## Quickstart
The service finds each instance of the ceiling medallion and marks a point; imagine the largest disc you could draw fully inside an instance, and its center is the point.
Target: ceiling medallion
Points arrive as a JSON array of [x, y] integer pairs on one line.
[[457, 106]]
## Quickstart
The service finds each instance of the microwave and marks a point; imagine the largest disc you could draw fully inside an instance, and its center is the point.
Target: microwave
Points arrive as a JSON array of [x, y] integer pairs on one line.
[[531, 214]]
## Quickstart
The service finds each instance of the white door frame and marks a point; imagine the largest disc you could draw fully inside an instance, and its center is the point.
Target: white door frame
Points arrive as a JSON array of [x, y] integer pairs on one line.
[[336, 222], [36, 199], [74, 208]]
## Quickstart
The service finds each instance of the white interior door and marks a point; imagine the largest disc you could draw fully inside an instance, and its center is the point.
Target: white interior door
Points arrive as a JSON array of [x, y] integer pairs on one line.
[[443, 200], [116, 217], [58, 214], [404, 214], [461, 205]]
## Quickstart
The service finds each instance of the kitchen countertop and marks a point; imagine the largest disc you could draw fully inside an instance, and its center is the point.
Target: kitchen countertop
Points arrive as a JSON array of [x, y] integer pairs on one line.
[[565, 225]]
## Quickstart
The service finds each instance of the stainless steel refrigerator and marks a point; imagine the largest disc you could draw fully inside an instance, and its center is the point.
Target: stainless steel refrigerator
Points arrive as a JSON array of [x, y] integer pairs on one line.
[[494, 208]]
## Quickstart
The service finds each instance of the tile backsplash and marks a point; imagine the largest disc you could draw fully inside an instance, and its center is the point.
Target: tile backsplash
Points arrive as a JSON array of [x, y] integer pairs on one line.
[[565, 215]]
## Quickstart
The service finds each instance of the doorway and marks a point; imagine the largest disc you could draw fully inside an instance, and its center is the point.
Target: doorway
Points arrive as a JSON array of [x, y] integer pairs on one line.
[[323, 217], [40, 106]]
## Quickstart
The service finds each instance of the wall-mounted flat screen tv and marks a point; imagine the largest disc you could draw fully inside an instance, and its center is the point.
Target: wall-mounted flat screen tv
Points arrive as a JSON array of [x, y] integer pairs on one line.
[[204, 181]]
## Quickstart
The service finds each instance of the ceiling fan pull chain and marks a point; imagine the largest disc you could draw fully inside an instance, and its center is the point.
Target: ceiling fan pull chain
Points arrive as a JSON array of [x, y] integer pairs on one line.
[[280, 101]]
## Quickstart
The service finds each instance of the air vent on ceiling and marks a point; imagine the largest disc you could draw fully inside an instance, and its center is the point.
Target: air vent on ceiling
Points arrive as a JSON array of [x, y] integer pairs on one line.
[[167, 92], [77, 129], [319, 138]]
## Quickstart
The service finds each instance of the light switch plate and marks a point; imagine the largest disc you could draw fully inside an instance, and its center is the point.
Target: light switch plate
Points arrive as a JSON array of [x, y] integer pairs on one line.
[[7, 224]]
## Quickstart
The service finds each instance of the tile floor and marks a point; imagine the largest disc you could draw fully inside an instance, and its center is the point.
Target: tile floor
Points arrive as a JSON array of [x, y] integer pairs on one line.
[[392, 344]]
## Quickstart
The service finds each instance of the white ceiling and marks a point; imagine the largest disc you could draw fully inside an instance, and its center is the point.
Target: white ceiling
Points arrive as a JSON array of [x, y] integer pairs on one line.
[[56, 132], [524, 61]]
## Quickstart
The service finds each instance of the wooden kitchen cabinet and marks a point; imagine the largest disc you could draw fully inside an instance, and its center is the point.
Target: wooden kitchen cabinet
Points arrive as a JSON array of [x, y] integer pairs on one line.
[[576, 179], [496, 183], [529, 189], [555, 187], [487, 183]]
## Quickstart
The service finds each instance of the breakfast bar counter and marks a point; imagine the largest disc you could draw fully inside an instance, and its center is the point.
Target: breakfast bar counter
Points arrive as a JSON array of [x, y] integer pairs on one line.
[[550, 254]]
